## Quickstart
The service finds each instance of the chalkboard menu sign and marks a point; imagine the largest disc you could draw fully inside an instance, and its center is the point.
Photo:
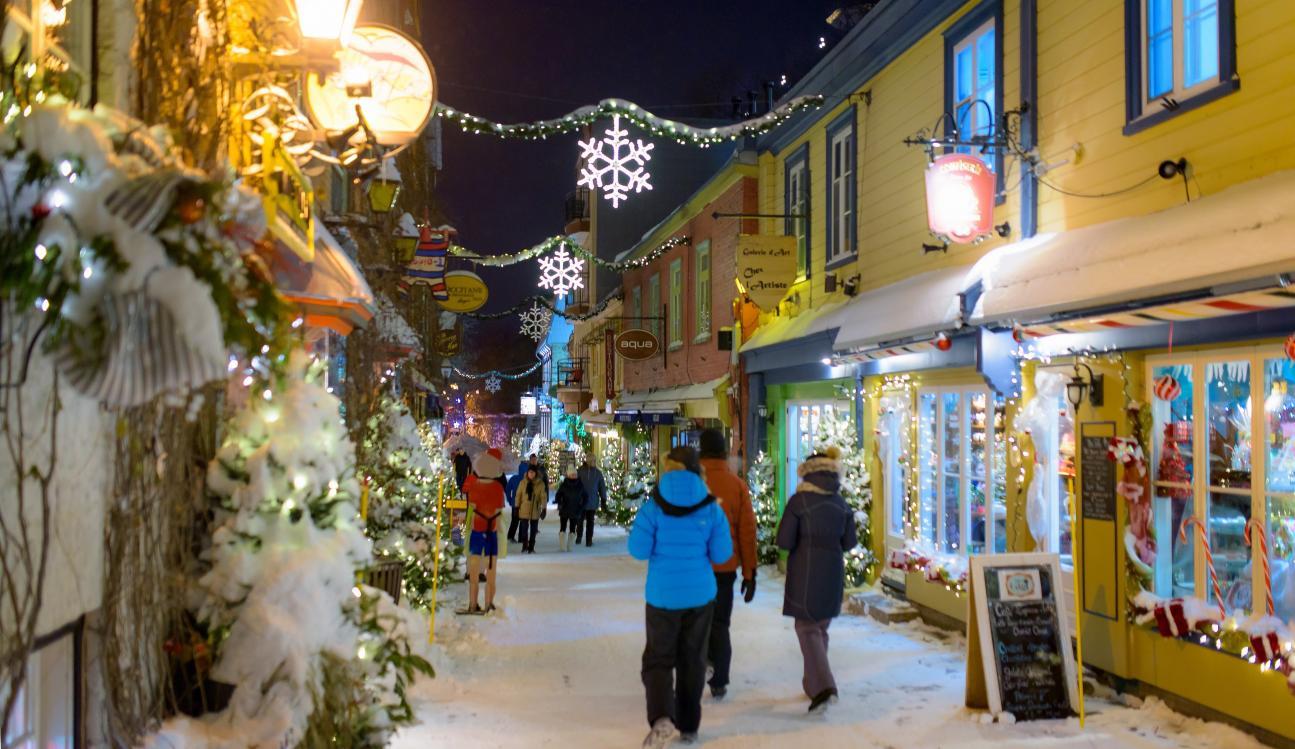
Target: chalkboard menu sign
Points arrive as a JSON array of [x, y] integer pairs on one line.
[[1096, 473], [1019, 652]]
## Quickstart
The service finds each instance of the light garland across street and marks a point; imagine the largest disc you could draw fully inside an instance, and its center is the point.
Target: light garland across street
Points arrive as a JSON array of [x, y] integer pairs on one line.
[[553, 244], [658, 126]]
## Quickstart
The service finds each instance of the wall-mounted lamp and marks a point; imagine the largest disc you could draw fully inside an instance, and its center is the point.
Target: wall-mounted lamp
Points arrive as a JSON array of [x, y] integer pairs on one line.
[[829, 283], [1077, 386], [852, 285], [927, 249], [1003, 229], [1170, 169]]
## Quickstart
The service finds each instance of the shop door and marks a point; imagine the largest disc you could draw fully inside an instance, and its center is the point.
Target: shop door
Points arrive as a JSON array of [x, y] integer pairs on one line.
[[803, 420]]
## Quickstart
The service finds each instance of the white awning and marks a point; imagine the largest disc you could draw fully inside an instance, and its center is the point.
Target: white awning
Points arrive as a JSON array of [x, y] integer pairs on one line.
[[780, 329], [924, 304], [697, 400], [1238, 235]]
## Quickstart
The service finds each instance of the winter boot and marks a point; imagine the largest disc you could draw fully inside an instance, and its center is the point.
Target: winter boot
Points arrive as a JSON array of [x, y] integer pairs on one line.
[[662, 733], [819, 704], [567, 545], [562, 541]]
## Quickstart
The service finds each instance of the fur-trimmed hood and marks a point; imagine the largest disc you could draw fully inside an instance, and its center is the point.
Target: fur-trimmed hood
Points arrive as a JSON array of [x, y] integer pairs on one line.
[[819, 464], [820, 474]]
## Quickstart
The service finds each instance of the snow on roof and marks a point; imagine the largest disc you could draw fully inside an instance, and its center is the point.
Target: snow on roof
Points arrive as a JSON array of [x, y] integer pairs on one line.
[[1239, 234], [407, 226], [781, 329], [392, 327], [922, 304]]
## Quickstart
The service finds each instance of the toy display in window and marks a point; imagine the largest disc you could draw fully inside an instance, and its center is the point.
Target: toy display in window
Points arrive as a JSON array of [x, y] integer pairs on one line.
[[1173, 469]]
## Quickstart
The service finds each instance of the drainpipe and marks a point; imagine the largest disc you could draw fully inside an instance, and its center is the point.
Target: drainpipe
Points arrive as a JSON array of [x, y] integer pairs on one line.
[[756, 429], [1030, 119]]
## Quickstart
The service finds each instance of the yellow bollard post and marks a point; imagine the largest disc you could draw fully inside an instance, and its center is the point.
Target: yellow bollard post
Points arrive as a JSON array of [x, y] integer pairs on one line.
[[436, 562], [1079, 616]]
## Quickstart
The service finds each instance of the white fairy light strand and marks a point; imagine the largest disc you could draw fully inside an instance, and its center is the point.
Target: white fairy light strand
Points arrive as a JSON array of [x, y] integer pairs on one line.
[[657, 126]]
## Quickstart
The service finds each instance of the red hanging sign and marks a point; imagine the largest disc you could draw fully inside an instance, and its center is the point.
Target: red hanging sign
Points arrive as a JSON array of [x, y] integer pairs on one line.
[[960, 197]]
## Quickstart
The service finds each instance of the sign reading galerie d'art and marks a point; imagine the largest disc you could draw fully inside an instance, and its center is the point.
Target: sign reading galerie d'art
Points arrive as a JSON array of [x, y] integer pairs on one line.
[[637, 344], [960, 197], [766, 266]]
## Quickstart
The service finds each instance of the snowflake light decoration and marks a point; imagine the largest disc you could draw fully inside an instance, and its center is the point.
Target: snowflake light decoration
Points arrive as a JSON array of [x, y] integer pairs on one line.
[[562, 272], [493, 384], [610, 169], [535, 322]]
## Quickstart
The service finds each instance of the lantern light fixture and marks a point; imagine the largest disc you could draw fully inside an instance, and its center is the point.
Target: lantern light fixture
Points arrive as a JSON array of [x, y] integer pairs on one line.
[[327, 24], [1077, 387]]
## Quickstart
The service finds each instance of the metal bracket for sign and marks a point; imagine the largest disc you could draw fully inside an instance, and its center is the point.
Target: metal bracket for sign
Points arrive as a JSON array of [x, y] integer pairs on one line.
[[945, 134]]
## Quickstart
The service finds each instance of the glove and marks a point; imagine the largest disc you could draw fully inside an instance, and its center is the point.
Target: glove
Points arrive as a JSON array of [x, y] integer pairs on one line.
[[748, 589], [544, 512]]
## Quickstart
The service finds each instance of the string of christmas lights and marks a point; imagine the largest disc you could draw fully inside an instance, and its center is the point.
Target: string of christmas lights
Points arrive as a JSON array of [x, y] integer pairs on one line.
[[680, 132], [552, 244], [546, 301], [497, 373]]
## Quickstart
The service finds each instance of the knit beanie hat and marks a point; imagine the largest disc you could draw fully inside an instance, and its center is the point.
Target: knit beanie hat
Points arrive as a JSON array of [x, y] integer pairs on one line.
[[712, 444], [489, 464]]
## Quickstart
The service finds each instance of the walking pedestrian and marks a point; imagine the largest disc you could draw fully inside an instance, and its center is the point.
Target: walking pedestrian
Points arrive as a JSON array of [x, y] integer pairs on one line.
[[532, 501], [510, 493], [816, 530], [486, 496], [571, 505], [462, 467], [734, 496], [596, 492], [681, 532]]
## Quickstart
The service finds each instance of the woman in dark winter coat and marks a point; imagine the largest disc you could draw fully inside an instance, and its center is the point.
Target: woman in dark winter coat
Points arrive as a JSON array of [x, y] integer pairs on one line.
[[571, 499], [816, 530]]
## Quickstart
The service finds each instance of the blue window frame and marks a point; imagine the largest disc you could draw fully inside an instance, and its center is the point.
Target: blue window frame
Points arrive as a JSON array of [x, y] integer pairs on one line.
[[973, 78], [1179, 55], [842, 190], [795, 202]]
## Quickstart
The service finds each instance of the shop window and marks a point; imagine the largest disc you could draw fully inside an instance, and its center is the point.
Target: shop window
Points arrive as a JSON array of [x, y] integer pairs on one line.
[[893, 436], [44, 713], [1210, 463], [961, 487], [796, 203], [841, 188], [701, 291], [1179, 54], [636, 306], [654, 304]]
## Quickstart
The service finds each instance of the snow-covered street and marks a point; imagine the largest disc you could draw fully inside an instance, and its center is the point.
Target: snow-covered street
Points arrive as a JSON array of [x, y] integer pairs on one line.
[[559, 666]]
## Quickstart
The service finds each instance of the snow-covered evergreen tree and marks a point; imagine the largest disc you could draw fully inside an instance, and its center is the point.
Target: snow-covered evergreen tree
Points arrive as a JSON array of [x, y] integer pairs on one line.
[[836, 429], [307, 651], [613, 467], [641, 477], [764, 498]]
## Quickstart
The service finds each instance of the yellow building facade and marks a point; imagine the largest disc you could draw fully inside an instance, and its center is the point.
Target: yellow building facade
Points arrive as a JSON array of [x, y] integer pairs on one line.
[[1143, 159]]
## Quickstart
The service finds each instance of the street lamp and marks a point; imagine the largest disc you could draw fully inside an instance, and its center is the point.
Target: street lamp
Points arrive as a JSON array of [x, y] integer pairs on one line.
[[327, 24]]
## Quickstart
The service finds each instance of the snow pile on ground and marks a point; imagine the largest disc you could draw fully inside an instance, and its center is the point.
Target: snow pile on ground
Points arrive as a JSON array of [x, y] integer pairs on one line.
[[561, 668]]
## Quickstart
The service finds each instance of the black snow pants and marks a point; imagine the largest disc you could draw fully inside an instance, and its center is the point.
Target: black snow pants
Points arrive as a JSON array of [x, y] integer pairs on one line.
[[674, 664]]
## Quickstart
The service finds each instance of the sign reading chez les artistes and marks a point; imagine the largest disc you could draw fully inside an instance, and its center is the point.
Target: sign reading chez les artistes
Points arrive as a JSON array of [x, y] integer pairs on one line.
[[766, 266]]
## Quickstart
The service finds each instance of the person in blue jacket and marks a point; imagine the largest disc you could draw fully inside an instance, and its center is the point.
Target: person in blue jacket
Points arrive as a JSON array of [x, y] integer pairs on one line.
[[510, 494], [681, 531]]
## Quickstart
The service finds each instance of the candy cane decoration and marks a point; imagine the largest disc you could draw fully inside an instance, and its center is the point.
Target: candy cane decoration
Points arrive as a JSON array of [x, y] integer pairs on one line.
[[1256, 533], [1209, 559]]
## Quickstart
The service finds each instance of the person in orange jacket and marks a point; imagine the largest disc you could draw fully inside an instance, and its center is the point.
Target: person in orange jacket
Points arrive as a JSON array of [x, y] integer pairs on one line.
[[735, 498]]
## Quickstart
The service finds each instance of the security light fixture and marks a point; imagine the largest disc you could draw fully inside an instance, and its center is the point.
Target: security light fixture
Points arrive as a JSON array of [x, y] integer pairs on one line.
[[1170, 169]]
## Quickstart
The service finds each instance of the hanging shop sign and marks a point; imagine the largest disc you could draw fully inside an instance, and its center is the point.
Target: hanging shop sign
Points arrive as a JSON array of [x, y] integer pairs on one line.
[[960, 198], [609, 364], [428, 265], [447, 342], [1019, 658], [766, 267], [637, 344], [464, 291], [387, 76]]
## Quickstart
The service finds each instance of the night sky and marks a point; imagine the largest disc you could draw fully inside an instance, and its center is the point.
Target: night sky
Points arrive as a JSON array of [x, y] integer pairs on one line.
[[520, 60]]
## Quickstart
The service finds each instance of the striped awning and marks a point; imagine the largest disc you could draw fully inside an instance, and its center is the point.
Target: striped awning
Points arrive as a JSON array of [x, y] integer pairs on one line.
[[1233, 304], [884, 352]]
